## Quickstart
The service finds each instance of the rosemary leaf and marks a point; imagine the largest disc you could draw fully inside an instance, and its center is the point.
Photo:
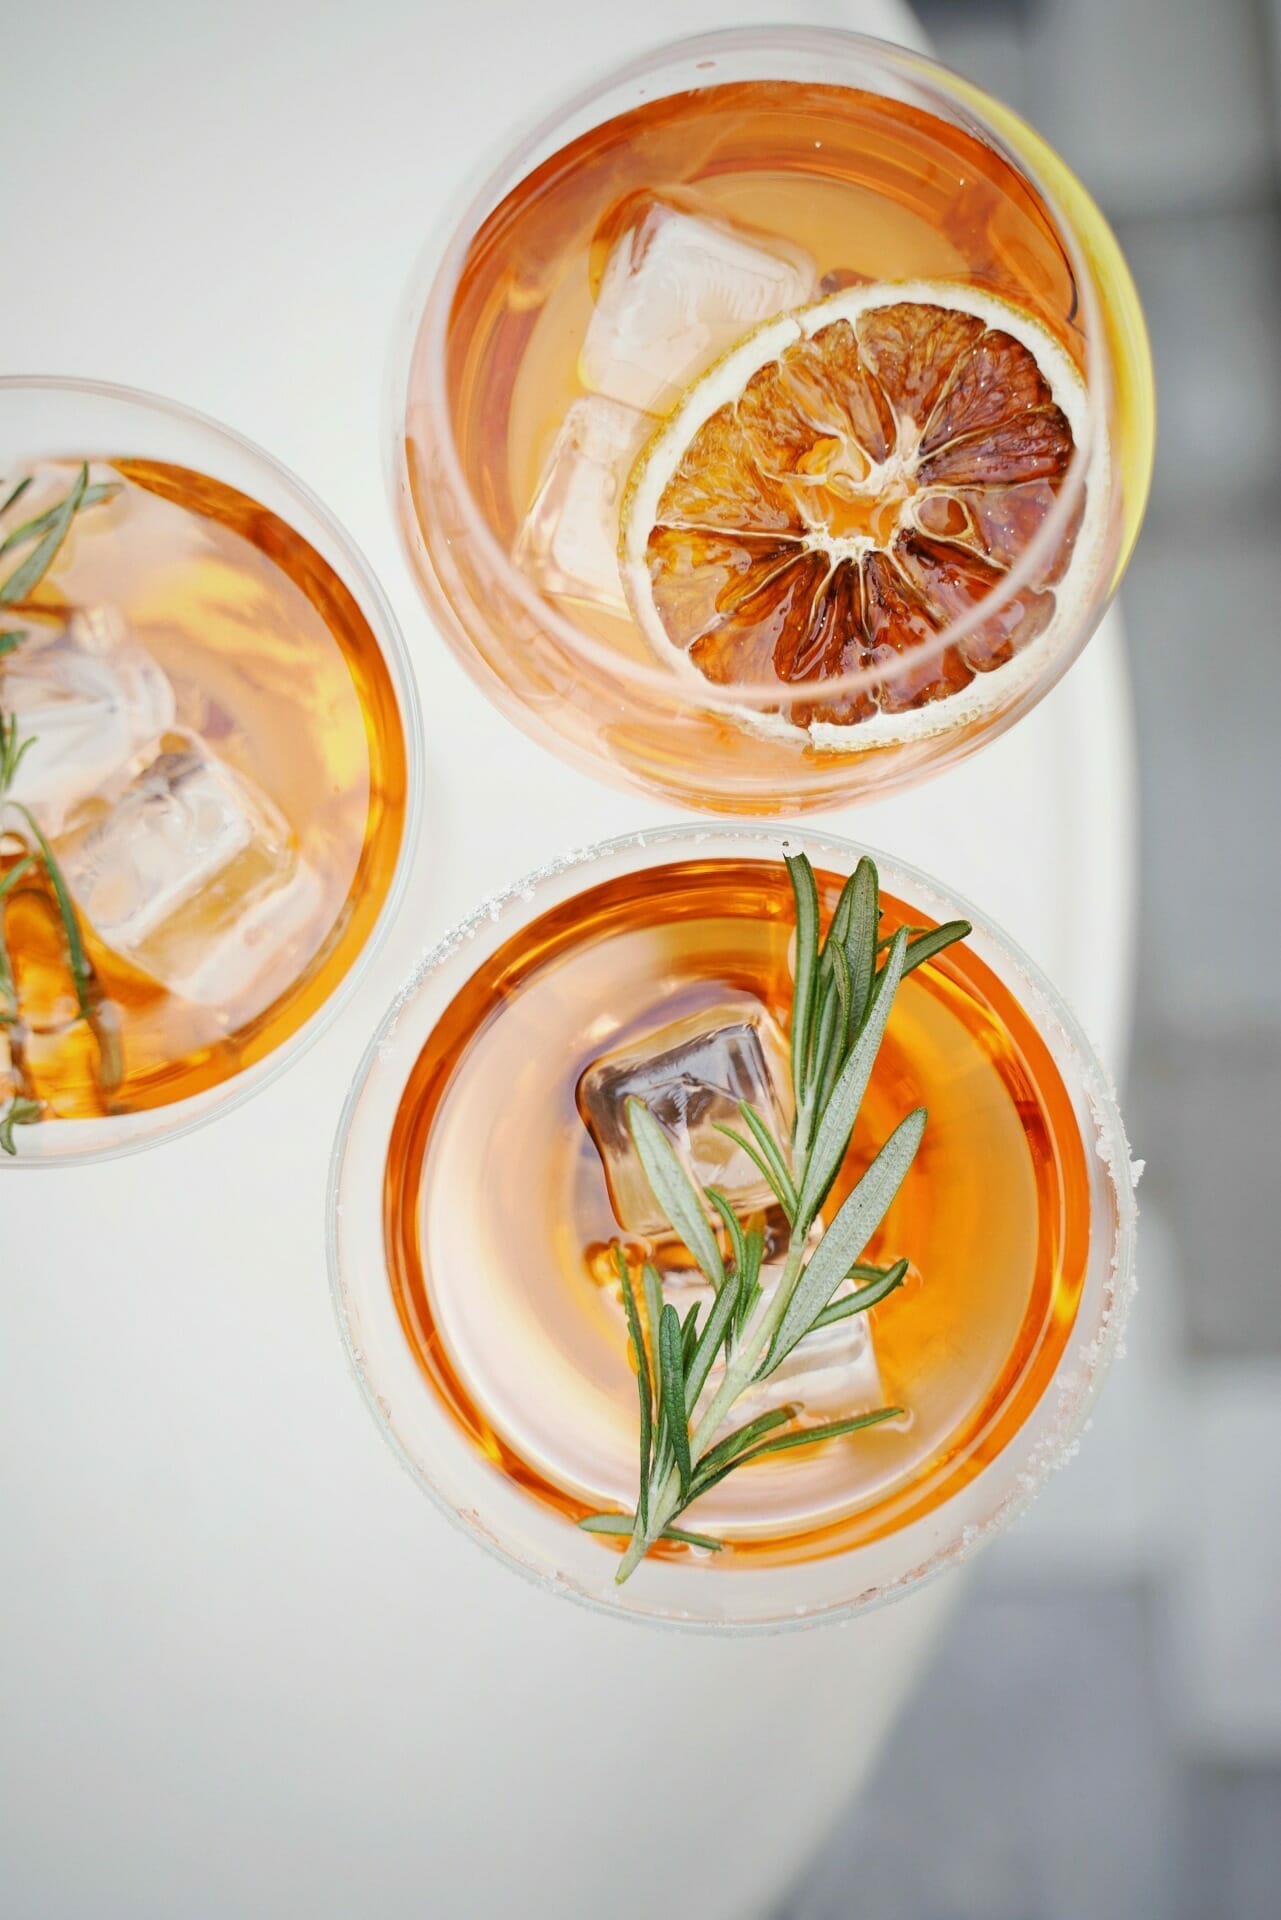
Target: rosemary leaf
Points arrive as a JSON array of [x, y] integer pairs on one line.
[[81, 971], [689, 1337], [863, 1297], [18, 1113], [860, 940], [801, 1437], [737, 1241], [699, 1365], [653, 1291], [827, 1047], [11, 751], [774, 1163], [10, 639], [749, 1279], [926, 945], [853, 1226], [687, 1539], [32, 529], [832, 1138], [652, 1287], [28, 574], [16, 494], [810, 1436], [674, 1191], [841, 1002], [805, 889], [644, 1386], [673, 1378], [839, 925], [727, 1450], [754, 1154], [43, 522], [622, 1525]]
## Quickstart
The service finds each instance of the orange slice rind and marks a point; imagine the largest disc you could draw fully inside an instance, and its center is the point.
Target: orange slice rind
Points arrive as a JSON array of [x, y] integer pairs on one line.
[[843, 485]]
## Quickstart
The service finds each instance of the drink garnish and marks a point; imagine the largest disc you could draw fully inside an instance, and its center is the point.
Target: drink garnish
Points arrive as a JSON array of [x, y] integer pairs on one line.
[[843, 990], [844, 486], [47, 531]]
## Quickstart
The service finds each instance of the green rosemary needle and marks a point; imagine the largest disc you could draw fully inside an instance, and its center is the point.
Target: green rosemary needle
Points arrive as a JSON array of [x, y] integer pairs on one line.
[[843, 991]]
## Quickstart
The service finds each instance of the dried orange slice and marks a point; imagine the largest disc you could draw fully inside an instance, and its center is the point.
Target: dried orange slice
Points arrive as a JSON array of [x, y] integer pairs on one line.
[[848, 481]]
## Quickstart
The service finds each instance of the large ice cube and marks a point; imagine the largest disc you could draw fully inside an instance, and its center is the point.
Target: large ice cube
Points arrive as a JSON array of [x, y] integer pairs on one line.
[[569, 540], [680, 286], [193, 876], [91, 701], [691, 1075]]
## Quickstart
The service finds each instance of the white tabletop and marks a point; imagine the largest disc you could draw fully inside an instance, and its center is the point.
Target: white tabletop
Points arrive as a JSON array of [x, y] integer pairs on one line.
[[246, 1668]]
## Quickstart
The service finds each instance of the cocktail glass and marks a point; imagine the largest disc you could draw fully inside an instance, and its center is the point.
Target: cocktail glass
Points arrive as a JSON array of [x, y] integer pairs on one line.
[[512, 457], [265, 530], [474, 1292]]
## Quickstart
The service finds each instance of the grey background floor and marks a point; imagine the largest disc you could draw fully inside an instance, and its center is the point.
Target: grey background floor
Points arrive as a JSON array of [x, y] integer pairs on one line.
[[1101, 1732]]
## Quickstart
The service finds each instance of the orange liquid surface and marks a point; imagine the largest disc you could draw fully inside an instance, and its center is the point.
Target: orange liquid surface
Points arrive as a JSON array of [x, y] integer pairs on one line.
[[872, 188], [497, 1217], [275, 667]]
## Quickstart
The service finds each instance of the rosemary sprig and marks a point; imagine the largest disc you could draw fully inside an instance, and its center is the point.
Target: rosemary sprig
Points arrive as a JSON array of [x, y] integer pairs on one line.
[[843, 990], [55, 518], [47, 530]]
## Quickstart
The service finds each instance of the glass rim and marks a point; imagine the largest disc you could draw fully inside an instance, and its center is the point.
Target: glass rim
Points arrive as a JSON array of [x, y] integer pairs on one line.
[[427, 304], [357, 574], [1027, 1459]]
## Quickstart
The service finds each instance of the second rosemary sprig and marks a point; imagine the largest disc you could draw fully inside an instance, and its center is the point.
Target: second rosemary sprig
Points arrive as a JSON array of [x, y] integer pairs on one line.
[[43, 536]]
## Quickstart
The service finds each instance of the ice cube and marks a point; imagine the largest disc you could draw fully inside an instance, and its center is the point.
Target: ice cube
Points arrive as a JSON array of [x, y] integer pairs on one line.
[[691, 1075], [831, 1375], [194, 876], [91, 701], [569, 540], [680, 285]]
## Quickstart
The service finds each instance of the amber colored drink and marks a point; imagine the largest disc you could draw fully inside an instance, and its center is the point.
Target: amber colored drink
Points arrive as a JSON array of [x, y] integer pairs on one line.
[[229, 860], [513, 417], [872, 188], [498, 1218]]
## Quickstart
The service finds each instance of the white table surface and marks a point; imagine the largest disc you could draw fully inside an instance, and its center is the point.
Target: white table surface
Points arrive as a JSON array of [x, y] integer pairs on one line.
[[245, 1668]]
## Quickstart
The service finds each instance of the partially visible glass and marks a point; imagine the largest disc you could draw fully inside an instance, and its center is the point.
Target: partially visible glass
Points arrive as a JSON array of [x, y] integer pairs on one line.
[[906, 173], [470, 1236], [282, 725]]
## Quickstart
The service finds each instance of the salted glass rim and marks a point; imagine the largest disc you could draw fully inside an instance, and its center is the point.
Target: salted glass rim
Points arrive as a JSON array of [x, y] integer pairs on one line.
[[357, 574], [1014, 1476], [434, 282]]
